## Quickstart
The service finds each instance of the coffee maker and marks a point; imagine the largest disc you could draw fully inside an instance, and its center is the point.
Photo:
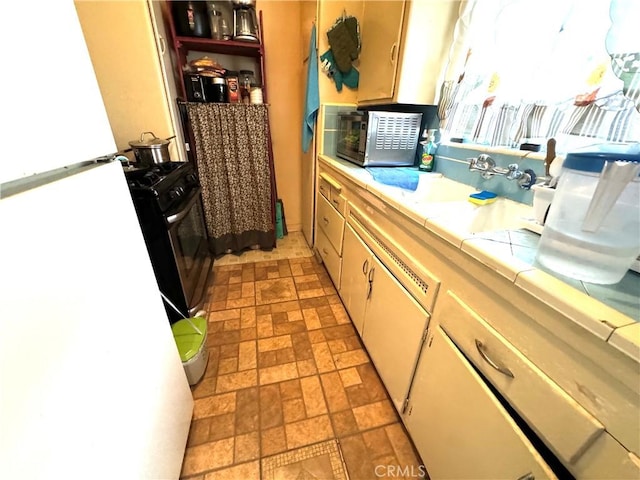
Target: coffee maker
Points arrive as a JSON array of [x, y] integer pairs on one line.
[[245, 21]]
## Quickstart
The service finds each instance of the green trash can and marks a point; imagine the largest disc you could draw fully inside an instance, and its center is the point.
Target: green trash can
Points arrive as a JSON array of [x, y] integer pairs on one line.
[[190, 335]]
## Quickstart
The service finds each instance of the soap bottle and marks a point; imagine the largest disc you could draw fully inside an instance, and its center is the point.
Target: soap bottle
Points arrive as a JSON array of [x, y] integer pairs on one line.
[[428, 143]]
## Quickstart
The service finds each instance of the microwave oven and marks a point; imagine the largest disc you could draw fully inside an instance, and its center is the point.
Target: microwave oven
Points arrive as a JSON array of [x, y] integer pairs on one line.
[[378, 138]]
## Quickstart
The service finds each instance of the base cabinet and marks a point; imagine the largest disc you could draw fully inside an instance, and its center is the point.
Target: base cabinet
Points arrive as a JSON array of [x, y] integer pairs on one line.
[[459, 427], [354, 288], [391, 323], [395, 328]]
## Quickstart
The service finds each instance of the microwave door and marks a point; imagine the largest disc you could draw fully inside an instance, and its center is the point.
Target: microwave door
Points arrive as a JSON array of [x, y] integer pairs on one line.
[[363, 141]]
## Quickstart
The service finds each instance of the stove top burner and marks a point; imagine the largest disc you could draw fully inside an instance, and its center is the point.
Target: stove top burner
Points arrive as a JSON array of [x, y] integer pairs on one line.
[[151, 176], [164, 184]]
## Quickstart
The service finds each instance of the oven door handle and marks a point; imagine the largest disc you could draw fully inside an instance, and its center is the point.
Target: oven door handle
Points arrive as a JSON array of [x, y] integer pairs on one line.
[[176, 217]]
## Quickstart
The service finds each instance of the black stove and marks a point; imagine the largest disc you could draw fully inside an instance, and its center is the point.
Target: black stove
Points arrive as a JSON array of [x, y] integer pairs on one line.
[[166, 197]]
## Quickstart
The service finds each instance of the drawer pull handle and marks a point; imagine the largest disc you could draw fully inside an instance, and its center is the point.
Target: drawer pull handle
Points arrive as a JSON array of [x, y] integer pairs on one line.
[[325, 220], [527, 476], [494, 365], [365, 266], [335, 202]]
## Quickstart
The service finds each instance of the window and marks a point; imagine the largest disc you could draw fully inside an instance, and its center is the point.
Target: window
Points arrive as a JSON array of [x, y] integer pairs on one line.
[[523, 71]]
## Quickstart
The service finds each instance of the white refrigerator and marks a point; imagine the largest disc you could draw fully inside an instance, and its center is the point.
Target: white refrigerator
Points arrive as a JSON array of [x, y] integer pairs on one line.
[[91, 384]]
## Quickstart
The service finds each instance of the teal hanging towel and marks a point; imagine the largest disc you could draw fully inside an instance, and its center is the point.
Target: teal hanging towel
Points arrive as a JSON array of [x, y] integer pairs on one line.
[[312, 97]]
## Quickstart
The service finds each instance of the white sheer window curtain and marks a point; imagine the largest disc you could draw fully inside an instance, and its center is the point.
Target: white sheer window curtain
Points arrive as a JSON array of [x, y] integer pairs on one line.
[[523, 71]]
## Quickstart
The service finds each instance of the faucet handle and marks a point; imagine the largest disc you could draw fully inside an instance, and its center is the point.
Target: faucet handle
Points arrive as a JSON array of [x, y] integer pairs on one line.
[[527, 179], [482, 162]]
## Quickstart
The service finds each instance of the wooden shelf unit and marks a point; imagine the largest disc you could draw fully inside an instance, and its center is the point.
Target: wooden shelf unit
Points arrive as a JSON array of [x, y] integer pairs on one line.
[[183, 45]]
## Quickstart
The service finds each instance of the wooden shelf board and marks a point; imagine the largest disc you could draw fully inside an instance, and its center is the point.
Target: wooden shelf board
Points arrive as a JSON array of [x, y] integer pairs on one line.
[[225, 47]]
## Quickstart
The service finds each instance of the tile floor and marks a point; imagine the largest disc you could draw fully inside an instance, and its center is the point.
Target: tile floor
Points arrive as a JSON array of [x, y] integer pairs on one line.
[[287, 382]]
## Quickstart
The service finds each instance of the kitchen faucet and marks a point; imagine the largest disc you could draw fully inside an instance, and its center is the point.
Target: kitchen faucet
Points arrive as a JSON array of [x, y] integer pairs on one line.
[[487, 166]]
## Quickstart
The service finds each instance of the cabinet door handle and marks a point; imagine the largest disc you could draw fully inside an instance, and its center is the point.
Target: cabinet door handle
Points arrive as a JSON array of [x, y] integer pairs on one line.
[[495, 365], [394, 47], [365, 266], [325, 251], [370, 278], [163, 45], [527, 476], [325, 220]]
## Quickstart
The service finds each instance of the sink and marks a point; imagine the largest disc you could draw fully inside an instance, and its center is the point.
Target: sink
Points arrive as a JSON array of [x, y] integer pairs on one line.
[[503, 214], [444, 205], [462, 219], [432, 188]]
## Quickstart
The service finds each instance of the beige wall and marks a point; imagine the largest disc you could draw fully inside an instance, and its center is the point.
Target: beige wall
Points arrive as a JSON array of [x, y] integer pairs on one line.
[[308, 15], [287, 25], [120, 39], [281, 32]]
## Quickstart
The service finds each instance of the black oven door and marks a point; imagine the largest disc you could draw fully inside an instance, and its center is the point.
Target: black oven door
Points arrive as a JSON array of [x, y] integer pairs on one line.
[[189, 243]]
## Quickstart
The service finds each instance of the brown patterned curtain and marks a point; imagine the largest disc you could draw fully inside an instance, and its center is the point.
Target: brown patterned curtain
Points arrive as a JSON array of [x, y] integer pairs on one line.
[[235, 169]]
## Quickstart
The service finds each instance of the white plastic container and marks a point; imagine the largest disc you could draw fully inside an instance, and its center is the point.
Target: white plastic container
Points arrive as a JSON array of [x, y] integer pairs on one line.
[[599, 251], [542, 198]]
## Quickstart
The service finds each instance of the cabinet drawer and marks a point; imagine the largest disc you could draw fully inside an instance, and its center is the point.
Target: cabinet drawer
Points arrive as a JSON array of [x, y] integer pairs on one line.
[[338, 202], [330, 258], [324, 187], [331, 223], [565, 426]]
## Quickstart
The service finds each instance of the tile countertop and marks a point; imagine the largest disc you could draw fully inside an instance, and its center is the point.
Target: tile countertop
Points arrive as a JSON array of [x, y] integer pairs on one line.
[[612, 312]]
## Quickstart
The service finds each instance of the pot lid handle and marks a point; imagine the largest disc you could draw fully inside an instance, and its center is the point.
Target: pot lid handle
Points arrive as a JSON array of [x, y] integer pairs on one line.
[[144, 133]]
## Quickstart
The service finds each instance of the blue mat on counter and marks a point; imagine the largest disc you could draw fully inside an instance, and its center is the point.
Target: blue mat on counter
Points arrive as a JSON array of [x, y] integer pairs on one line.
[[406, 178]]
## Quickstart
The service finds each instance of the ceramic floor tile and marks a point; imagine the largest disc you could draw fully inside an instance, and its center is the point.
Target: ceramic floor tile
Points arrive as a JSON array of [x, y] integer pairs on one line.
[[270, 407], [344, 423], [374, 415], [214, 405], [323, 357], [307, 432], [290, 389], [278, 373], [208, 456], [272, 291], [247, 411], [273, 441], [247, 447], [293, 410], [306, 368], [312, 396], [334, 392], [274, 343], [250, 470], [349, 377]]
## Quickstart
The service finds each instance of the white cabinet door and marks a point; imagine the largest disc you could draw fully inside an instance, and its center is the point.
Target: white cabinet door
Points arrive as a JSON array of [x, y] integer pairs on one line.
[[356, 261], [380, 28], [459, 427], [393, 331]]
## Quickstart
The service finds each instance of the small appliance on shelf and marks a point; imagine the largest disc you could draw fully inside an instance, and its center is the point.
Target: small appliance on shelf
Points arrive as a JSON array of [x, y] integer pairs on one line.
[[245, 21]]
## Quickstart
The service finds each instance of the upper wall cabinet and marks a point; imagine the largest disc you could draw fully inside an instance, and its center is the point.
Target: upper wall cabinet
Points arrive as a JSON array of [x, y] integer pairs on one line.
[[405, 44]]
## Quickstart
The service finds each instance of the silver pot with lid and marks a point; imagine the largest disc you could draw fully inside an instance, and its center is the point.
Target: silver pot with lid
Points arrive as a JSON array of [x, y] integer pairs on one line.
[[152, 150]]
